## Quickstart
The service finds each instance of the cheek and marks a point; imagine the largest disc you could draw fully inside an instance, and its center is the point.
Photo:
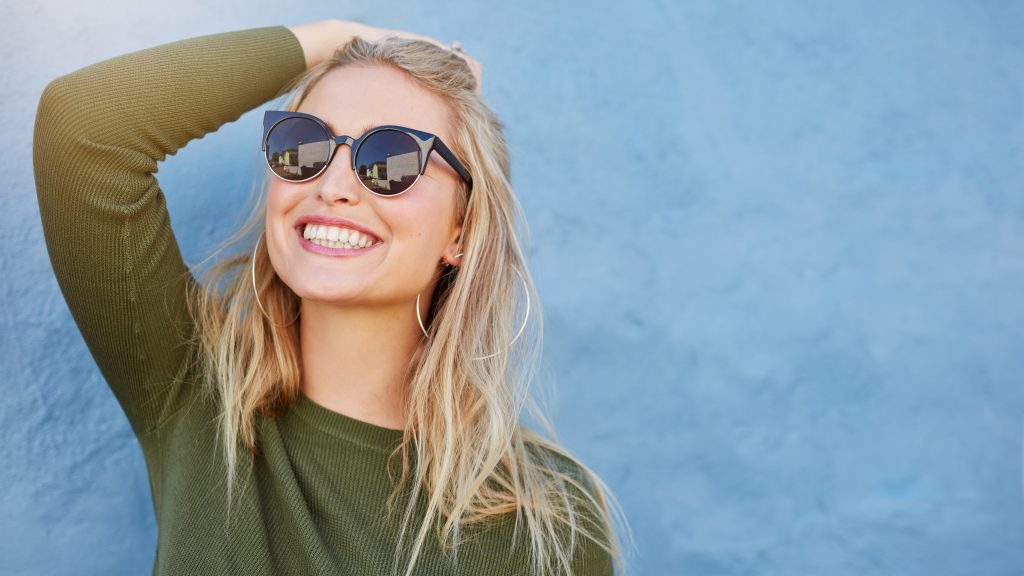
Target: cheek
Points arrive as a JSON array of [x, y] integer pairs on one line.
[[276, 234], [424, 223], [276, 200], [280, 207]]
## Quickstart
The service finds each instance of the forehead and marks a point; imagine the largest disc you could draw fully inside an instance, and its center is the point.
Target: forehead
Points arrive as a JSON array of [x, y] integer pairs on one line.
[[351, 99]]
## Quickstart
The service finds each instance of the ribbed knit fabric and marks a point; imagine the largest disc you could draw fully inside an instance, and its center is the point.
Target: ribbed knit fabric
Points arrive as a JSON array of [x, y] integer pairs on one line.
[[314, 502]]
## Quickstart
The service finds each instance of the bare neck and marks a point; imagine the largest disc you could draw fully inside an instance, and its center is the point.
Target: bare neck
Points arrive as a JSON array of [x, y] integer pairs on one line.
[[355, 359]]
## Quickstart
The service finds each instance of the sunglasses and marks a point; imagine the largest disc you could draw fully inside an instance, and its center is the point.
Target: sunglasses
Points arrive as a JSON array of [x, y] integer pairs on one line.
[[388, 160]]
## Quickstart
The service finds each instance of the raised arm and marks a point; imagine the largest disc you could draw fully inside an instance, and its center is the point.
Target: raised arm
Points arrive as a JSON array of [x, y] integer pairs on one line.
[[99, 134]]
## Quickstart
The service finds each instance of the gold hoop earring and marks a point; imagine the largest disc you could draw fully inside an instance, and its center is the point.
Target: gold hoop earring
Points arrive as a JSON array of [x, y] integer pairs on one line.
[[526, 290], [257, 292]]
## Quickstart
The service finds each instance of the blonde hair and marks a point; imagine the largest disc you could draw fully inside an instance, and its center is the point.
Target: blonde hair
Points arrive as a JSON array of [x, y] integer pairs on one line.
[[473, 458]]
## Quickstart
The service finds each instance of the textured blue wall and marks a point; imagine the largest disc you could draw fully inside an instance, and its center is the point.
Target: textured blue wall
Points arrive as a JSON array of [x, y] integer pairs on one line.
[[780, 250]]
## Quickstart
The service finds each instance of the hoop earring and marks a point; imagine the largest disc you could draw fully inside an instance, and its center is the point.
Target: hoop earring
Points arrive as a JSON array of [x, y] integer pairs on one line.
[[447, 265], [257, 292], [507, 346]]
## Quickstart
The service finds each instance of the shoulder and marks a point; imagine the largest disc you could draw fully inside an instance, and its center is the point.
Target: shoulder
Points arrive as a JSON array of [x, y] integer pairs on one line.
[[560, 461], [592, 525]]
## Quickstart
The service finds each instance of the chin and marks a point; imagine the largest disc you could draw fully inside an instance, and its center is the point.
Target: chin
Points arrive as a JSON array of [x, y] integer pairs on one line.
[[325, 291]]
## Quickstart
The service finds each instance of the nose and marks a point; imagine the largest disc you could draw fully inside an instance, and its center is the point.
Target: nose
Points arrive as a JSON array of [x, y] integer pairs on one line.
[[339, 183]]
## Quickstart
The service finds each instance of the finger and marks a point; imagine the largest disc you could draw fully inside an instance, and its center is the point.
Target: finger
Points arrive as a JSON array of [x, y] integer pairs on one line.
[[475, 67]]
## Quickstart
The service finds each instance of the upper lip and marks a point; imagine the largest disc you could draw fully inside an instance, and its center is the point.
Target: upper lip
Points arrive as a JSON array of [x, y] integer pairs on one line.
[[335, 221]]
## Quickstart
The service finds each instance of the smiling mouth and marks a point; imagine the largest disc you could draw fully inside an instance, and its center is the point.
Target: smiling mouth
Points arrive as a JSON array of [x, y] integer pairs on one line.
[[336, 236]]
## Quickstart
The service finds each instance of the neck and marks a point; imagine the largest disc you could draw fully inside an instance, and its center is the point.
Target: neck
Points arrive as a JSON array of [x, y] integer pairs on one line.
[[355, 359]]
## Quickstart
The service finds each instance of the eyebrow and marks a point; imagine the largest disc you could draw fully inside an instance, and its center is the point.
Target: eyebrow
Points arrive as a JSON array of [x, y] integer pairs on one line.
[[366, 128], [363, 130]]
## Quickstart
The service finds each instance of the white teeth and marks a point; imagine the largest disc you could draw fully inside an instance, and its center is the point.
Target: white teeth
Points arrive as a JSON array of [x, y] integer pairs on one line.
[[335, 237]]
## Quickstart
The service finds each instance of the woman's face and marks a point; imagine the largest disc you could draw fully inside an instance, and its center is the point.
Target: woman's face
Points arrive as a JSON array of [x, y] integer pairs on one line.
[[415, 229]]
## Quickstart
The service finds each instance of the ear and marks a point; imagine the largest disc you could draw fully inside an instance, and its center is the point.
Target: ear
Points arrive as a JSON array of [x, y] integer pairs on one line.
[[452, 252]]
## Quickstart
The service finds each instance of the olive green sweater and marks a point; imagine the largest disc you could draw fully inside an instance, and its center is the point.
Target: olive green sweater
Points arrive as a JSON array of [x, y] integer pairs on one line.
[[314, 501]]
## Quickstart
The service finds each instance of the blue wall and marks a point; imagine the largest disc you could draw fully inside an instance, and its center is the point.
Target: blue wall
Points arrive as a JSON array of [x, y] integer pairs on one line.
[[780, 251]]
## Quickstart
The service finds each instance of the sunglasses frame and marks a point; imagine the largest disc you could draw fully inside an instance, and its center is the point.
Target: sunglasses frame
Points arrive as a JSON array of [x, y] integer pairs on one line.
[[426, 141]]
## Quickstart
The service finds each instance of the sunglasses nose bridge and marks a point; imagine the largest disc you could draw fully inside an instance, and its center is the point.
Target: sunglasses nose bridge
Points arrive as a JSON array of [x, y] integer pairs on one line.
[[343, 139], [333, 191]]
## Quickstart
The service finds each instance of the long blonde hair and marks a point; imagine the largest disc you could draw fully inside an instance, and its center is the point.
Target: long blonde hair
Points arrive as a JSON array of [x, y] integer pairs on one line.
[[473, 459]]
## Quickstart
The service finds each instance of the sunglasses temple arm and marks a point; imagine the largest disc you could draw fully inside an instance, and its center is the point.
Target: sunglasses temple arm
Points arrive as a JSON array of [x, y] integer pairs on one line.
[[452, 161]]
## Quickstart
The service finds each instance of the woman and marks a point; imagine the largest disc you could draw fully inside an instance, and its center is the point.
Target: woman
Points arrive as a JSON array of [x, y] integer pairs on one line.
[[359, 367]]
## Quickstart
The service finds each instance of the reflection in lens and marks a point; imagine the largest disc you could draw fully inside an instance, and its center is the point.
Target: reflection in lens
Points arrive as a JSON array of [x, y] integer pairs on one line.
[[297, 148], [388, 162]]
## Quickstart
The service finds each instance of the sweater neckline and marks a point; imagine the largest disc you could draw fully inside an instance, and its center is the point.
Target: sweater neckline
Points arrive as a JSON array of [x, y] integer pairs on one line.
[[346, 427]]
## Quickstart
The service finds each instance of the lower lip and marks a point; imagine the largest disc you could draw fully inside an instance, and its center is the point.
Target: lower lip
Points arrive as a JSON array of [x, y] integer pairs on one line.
[[328, 251]]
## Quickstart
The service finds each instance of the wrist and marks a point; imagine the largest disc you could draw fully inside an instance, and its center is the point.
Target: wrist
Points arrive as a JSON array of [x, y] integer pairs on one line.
[[320, 39]]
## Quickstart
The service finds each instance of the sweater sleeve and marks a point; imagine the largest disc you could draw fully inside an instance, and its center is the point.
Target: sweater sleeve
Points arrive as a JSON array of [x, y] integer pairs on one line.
[[99, 133]]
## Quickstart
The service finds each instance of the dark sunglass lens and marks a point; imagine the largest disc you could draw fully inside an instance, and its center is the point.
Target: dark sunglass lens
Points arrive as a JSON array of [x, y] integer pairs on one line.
[[297, 148], [388, 162]]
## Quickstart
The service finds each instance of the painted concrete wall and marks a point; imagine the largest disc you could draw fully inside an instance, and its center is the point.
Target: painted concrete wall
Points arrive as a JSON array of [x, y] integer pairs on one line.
[[780, 249]]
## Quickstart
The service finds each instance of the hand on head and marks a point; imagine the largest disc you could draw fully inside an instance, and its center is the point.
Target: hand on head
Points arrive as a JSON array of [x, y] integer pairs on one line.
[[320, 39]]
